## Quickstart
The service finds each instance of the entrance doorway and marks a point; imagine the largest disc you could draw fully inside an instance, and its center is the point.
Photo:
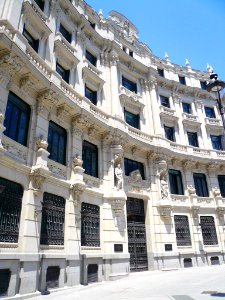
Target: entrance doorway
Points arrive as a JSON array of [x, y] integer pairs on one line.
[[136, 235]]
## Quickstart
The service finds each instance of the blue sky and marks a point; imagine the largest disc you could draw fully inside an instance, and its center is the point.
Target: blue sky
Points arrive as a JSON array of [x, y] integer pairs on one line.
[[193, 29]]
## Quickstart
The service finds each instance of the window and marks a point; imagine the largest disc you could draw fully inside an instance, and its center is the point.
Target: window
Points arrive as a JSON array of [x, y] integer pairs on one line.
[[132, 165], [10, 209], [132, 119], [182, 80], [176, 185], [201, 185], [90, 225], [186, 107], [91, 95], [203, 85], [65, 74], [169, 133], [91, 58], [65, 33], [193, 139], [209, 112], [131, 53], [52, 223], [57, 139], [90, 159], [31, 41], [40, 3], [5, 275], [160, 72], [132, 86], [182, 230], [221, 180], [92, 25], [17, 118], [208, 230], [216, 142], [52, 277], [164, 101]]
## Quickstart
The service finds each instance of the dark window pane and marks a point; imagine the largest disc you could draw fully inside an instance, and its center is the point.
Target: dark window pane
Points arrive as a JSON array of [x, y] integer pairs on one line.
[[52, 223], [91, 95], [132, 86], [91, 58], [57, 139], [132, 165], [40, 3], [203, 85], [221, 180], [132, 119], [182, 80], [176, 185], [192, 139], [65, 74], [65, 33], [186, 108], [208, 230], [17, 119], [169, 133], [201, 185], [90, 158], [209, 112], [164, 101], [90, 225], [216, 142], [31, 41], [160, 72], [182, 230]]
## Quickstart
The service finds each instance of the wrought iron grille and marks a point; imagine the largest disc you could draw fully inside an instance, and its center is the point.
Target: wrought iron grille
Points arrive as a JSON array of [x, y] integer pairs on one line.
[[90, 225], [182, 230], [208, 230], [11, 194], [136, 235], [52, 224]]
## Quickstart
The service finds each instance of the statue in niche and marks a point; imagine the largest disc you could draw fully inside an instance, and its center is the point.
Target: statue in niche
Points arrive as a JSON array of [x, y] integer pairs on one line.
[[163, 179], [118, 172]]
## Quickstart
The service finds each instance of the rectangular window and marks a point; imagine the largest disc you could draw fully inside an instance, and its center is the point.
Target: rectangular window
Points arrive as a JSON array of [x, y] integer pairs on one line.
[[65, 33], [193, 139], [65, 74], [91, 58], [90, 225], [132, 119], [17, 117], [209, 112], [131, 53], [169, 133], [31, 41], [90, 158], [164, 101], [201, 185], [176, 185], [132, 165], [182, 230], [52, 223], [132, 86], [216, 142], [203, 85], [208, 230], [186, 107], [182, 80], [57, 140], [40, 3], [91, 95], [160, 72], [221, 180]]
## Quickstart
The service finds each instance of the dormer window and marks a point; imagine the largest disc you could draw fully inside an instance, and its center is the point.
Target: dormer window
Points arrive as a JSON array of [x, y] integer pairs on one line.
[[65, 33], [130, 85], [161, 72], [91, 58], [41, 4], [182, 80], [31, 40]]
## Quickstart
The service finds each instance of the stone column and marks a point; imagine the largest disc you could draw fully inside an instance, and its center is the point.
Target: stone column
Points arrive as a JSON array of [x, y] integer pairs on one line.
[[155, 107], [115, 101], [178, 111]]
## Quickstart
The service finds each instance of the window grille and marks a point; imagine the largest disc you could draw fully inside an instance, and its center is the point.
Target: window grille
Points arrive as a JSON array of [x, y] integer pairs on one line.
[[208, 230], [182, 230]]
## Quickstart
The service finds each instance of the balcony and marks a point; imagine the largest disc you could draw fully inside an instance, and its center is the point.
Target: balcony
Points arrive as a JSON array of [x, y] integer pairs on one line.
[[168, 113], [64, 48], [220, 203], [129, 97], [92, 73], [180, 201], [203, 202], [177, 147], [138, 134], [191, 120], [213, 123]]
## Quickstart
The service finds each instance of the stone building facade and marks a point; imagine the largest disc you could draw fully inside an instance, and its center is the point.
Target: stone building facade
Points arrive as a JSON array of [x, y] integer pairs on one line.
[[111, 159]]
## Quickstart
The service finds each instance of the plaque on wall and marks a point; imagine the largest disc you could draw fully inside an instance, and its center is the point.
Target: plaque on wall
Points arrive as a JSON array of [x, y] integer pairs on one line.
[[168, 247], [118, 247]]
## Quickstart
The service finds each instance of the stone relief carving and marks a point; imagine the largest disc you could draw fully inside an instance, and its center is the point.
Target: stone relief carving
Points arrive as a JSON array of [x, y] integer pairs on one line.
[[191, 190], [118, 172], [216, 192], [163, 179]]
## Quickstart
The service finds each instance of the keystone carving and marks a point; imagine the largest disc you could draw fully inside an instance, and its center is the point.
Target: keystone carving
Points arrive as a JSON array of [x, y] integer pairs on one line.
[[77, 189], [118, 206]]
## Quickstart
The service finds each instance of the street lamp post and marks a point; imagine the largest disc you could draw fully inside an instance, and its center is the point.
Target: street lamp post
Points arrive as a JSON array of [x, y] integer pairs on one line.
[[216, 86]]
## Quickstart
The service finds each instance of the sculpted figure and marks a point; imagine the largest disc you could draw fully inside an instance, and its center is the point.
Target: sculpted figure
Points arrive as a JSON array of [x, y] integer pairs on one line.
[[119, 177]]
